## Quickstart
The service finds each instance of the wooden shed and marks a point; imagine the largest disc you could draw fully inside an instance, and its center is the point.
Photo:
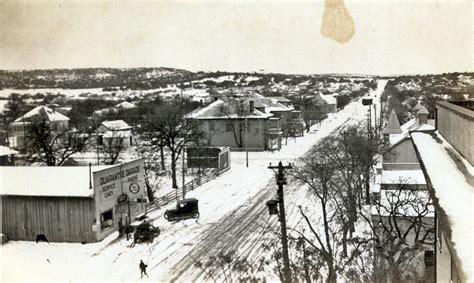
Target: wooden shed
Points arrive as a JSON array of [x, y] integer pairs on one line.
[[70, 204]]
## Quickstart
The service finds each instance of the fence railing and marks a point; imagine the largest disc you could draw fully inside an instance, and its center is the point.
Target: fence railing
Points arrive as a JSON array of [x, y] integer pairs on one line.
[[178, 194]]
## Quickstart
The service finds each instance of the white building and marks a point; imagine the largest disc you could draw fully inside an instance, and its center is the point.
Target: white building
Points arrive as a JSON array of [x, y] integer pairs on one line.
[[19, 128], [115, 131]]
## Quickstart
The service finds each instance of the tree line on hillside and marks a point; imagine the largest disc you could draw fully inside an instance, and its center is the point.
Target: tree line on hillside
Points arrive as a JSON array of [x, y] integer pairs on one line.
[[133, 78]]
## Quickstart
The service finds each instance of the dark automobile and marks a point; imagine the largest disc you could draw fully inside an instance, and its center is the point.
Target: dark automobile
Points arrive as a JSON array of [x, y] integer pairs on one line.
[[186, 208]]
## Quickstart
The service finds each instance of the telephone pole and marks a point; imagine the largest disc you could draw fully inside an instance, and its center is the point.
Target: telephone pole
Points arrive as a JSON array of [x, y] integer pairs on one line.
[[246, 144], [281, 181]]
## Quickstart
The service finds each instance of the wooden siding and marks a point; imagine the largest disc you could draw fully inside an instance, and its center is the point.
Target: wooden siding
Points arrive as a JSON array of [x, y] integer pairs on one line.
[[404, 152], [61, 219], [456, 125]]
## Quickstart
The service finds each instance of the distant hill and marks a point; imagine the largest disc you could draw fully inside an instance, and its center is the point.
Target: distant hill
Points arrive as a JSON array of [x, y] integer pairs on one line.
[[133, 78]]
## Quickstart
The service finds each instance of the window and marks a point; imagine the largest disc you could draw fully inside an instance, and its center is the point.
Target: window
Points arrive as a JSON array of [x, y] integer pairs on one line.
[[212, 126], [228, 127], [106, 220], [100, 140], [429, 258]]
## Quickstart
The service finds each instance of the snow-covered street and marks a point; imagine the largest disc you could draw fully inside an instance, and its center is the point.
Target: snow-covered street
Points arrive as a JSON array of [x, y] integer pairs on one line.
[[233, 217]]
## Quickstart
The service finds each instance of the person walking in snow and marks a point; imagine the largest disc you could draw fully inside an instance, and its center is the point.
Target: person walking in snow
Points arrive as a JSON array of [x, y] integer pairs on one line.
[[143, 268]]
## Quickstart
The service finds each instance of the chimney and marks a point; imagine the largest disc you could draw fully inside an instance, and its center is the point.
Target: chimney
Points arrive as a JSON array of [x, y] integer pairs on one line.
[[252, 105], [422, 116]]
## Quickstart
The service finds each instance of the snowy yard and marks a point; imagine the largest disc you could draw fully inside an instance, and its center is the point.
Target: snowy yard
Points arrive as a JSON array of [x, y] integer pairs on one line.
[[233, 217]]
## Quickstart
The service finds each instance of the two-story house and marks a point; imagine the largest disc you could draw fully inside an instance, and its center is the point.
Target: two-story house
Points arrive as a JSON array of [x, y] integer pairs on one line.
[[238, 124], [19, 128]]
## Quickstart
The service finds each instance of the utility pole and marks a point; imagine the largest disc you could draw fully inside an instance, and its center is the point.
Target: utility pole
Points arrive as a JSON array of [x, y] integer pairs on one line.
[[370, 122], [281, 181], [183, 170], [375, 123], [246, 144]]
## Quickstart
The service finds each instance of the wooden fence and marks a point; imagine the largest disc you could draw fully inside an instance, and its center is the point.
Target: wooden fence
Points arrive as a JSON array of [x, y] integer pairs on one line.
[[178, 194]]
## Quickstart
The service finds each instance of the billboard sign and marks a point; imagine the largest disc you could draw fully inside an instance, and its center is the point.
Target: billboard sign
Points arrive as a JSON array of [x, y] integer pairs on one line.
[[114, 184]]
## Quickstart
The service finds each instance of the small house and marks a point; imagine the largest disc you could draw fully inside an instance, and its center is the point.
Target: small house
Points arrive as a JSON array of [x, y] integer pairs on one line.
[[113, 132]]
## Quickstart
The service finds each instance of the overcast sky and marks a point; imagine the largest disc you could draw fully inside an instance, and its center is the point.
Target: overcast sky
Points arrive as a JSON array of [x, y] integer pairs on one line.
[[393, 37]]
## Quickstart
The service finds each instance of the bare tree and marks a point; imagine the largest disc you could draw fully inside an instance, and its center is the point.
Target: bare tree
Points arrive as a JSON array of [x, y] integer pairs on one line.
[[402, 224], [112, 147], [322, 177], [166, 126], [51, 146], [353, 154], [229, 267], [313, 112], [236, 111]]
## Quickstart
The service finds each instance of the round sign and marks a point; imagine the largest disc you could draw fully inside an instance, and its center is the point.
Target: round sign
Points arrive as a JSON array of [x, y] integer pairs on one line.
[[134, 188]]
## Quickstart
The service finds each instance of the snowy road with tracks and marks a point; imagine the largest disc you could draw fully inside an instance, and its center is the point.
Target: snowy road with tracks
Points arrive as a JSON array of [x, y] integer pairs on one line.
[[234, 217]]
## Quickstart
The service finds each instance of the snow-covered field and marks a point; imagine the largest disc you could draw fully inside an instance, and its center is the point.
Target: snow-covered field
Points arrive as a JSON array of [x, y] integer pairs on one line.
[[234, 217]]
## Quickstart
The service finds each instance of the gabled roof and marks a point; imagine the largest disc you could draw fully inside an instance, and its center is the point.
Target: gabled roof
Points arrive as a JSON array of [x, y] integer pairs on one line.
[[215, 111], [125, 105], [117, 125], [393, 125], [43, 112]]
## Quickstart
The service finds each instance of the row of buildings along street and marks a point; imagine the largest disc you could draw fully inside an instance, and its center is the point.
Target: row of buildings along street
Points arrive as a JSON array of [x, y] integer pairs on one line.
[[376, 179]]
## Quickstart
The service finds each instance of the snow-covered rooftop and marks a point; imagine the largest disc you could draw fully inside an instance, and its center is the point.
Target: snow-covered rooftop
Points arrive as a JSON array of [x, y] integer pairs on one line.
[[412, 125], [454, 189], [328, 98], [281, 99], [125, 105], [116, 125], [214, 111], [46, 181], [6, 151], [269, 103], [414, 177], [43, 111]]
